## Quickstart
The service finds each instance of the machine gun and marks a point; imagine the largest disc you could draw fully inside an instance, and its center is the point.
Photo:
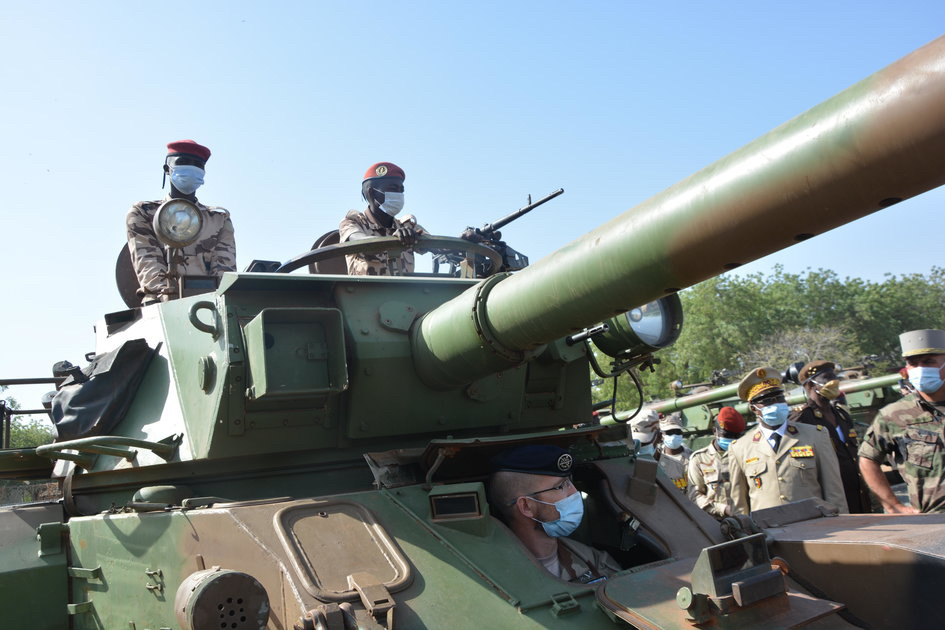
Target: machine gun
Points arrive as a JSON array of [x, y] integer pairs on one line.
[[490, 236]]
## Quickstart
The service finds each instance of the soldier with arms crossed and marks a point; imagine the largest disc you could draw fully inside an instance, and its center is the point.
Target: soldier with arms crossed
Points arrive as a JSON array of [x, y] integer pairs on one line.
[[910, 430], [709, 484], [779, 462]]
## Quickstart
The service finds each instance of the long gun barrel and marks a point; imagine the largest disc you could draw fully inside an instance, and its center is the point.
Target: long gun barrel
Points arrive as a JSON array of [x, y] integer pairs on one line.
[[873, 145], [491, 228]]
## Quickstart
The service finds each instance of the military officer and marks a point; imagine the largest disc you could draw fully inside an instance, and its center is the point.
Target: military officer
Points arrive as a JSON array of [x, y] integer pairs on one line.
[[383, 189], [822, 388], [910, 431], [644, 428], [709, 486], [531, 490], [673, 454], [779, 462], [212, 254]]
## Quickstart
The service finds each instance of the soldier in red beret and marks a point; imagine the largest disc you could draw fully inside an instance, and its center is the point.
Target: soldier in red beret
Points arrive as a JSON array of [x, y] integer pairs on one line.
[[213, 253], [383, 189], [709, 486]]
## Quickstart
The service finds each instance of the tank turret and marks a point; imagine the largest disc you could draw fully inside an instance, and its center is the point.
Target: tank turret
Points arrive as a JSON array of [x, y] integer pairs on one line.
[[311, 451]]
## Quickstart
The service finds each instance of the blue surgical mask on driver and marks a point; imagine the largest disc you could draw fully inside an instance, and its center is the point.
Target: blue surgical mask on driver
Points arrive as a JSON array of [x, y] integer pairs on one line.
[[187, 178], [775, 415], [570, 512], [926, 379]]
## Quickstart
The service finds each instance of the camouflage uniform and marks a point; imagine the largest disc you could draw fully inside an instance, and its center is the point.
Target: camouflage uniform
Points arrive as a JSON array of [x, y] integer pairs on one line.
[[212, 254], [381, 264], [709, 481], [804, 466], [676, 467], [911, 432], [580, 563], [845, 443]]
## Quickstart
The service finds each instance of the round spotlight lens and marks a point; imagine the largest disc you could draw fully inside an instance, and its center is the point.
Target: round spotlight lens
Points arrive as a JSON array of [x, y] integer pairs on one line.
[[643, 330], [177, 223], [649, 323]]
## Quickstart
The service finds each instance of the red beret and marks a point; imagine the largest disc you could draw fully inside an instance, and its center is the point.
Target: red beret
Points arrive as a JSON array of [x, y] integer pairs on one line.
[[384, 169], [730, 420], [188, 147]]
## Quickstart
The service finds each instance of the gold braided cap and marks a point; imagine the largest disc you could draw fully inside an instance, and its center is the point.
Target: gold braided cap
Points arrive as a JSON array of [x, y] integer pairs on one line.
[[758, 381]]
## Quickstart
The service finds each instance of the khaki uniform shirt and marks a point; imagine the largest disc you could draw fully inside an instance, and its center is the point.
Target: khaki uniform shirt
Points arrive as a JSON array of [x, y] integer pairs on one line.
[[213, 253], [676, 467], [910, 432], [581, 563], [845, 442], [709, 486], [805, 466], [362, 225]]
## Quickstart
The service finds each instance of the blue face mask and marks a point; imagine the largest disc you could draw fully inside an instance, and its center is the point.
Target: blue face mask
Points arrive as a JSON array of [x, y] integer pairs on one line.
[[570, 512], [775, 415], [187, 178], [672, 441], [927, 380], [724, 443]]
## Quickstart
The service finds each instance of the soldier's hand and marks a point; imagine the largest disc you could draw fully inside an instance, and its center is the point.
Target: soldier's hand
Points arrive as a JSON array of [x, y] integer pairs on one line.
[[899, 508], [407, 234]]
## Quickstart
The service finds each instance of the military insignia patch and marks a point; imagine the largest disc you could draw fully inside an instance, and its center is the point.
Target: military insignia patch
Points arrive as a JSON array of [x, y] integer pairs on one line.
[[681, 483], [708, 471], [802, 451], [564, 462], [757, 481], [751, 460], [380, 171], [852, 433], [792, 430], [756, 437], [818, 413]]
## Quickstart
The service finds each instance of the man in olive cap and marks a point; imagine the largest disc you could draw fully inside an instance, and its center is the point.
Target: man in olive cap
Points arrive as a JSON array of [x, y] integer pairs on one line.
[[213, 253], [780, 462], [910, 431], [709, 481], [531, 490], [822, 388], [673, 453], [383, 189]]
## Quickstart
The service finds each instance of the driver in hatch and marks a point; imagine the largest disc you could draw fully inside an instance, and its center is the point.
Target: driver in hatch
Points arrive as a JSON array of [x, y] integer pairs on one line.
[[531, 489], [383, 189]]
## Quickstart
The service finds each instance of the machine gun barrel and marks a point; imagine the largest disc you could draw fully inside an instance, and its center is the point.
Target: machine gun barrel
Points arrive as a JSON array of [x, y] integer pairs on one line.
[[490, 228], [871, 146]]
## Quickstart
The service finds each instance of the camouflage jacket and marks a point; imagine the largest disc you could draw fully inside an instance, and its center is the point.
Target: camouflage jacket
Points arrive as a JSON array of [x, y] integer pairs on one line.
[[805, 465], [212, 254], [709, 486], [361, 225], [909, 431], [676, 466]]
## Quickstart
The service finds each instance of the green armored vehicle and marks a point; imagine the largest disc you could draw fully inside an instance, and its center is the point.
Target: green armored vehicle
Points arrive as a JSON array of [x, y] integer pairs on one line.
[[310, 451]]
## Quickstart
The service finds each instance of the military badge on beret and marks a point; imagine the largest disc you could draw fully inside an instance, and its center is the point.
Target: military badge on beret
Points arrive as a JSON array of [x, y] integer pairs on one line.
[[381, 170], [565, 462]]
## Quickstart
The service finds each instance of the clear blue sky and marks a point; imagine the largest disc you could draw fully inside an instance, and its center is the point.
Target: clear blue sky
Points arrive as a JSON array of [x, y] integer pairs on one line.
[[481, 103]]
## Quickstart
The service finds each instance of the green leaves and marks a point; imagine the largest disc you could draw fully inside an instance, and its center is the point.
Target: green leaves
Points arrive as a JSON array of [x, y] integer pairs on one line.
[[739, 322]]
